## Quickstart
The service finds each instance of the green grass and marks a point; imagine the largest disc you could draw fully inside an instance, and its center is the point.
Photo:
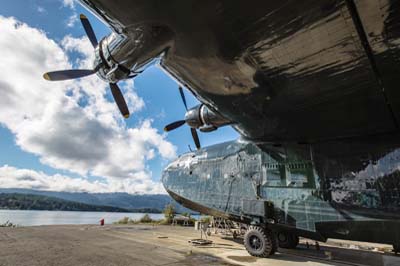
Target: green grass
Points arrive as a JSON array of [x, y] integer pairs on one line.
[[146, 219]]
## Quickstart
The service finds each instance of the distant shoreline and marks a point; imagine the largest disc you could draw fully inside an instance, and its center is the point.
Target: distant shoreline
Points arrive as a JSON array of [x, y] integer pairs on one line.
[[45, 217], [127, 211], [16, 201], [150, 203]]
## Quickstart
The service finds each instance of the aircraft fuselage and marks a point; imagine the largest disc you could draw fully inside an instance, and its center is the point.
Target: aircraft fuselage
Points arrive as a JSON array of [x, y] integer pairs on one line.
[[280, 187]]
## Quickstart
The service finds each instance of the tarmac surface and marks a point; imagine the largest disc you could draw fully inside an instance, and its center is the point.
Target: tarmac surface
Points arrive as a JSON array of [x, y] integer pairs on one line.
[[155, 245]]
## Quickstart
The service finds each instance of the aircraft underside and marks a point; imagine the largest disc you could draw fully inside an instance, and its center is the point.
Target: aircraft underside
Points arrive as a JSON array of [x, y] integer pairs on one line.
[[300, 71]]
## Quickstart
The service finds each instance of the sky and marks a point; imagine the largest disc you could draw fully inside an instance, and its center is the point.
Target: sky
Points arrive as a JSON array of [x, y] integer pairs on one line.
[[70, 136]]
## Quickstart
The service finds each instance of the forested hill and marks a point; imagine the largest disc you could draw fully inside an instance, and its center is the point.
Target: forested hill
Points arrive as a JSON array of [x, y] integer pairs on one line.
[[16, 201], [121, 200]]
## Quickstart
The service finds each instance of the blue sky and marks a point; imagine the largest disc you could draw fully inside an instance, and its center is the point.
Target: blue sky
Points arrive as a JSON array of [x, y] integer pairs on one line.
[[31, 159]]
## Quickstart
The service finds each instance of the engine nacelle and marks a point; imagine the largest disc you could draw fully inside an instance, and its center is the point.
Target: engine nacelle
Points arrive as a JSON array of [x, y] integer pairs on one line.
[[118, 54], [205, 119]]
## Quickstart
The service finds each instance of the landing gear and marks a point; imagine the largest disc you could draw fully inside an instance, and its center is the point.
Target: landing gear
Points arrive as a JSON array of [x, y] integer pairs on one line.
[[234, 235], [260, 242], [287, 240], [396, 248]]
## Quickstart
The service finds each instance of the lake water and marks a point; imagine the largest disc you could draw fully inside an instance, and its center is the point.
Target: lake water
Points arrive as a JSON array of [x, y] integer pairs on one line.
[[30, 218]]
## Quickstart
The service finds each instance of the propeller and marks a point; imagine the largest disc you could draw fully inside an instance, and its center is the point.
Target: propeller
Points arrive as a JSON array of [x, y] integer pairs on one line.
[[89, 30], [183, 97], [68, 74], [80, 73], [174, 125], [119, 99], [195, 137], [180, 123]]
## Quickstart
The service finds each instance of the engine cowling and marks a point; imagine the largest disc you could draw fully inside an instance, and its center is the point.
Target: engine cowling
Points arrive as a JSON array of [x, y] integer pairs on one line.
[[118, 54], [205, 119]]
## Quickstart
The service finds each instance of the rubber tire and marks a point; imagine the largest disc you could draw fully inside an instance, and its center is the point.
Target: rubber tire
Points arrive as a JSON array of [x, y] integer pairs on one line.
[[290, 240], [267, 239]]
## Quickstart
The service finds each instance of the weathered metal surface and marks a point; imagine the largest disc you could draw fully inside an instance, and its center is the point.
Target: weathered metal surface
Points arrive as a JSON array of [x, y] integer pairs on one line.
[[282, 70], [219, 178]]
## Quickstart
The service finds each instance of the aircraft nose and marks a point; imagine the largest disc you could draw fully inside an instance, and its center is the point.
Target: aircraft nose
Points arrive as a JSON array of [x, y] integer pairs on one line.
[[177, 172], [170, 182], [165, 177], [172, 174]]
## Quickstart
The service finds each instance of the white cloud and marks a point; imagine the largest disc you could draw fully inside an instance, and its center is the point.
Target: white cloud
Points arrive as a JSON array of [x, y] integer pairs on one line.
[[69, 3], [11, 177], [82, 46], [89, 138], [41, 9], [70, 22]]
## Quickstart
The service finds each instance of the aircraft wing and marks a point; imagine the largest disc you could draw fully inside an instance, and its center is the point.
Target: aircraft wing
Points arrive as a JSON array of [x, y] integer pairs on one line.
[[286, 70]]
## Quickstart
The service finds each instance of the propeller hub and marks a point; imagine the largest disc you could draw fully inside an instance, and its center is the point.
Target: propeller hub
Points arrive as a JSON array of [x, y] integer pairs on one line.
[[107, 68], [112, 75], [193, 117]]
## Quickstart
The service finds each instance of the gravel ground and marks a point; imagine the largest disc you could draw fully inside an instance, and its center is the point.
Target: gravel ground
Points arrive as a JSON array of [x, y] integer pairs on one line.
[[130, 245]]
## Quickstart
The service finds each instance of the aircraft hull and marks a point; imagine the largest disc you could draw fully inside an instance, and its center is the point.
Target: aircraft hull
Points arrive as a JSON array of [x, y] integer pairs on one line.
[[217, 180]]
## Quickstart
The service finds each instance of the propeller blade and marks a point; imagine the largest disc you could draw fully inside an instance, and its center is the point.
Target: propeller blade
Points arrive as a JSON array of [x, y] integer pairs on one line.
[[67, 74], [195, 138], [119, 100], [174, 125], [89, 30], [183, 97]]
